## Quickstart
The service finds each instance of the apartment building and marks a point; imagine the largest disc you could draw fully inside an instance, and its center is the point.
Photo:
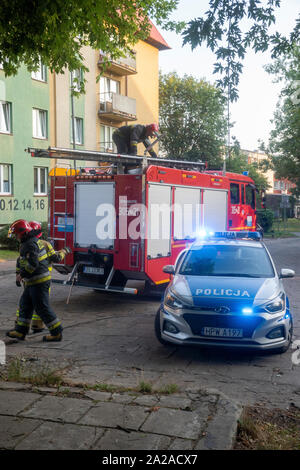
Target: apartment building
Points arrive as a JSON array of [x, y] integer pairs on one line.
[[129, 90], [277, 186], [24, 122], [36, 110]]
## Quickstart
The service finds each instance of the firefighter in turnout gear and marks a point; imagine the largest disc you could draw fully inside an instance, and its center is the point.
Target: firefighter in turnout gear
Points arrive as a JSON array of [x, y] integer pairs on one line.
[[37, 324], [127, 138], [35, 274]]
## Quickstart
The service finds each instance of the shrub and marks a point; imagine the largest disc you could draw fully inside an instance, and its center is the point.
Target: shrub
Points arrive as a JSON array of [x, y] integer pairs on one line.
[[9, 243], [12, 243], [45, 230], [265, 218]]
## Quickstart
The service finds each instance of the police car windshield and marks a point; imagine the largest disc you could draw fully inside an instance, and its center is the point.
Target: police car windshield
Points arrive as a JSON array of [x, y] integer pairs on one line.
[[227, 260]]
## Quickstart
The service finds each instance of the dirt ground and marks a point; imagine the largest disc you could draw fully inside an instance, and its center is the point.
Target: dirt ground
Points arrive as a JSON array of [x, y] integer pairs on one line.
[[262, 428]]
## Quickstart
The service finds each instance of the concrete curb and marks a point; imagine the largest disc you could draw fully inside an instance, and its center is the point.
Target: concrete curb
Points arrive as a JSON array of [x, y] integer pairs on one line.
[[222, 429], [4, 273], [7, 267]]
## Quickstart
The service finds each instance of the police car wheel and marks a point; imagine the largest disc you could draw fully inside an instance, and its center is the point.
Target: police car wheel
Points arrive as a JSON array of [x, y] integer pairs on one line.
[[285, 348], [158, 331]]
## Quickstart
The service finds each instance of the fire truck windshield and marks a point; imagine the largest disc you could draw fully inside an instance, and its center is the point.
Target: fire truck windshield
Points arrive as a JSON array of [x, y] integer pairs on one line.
[[228, 260]]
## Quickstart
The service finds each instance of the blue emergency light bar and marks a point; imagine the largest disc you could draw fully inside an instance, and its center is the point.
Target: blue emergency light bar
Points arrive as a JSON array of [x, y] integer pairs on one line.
[[230, 235]]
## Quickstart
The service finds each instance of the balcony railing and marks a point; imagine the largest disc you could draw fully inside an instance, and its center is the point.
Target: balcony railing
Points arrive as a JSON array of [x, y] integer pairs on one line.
[[122, 66], [117, 107], [106, 146]]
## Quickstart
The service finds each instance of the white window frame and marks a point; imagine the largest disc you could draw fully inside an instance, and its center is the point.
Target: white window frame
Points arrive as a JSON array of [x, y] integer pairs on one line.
[[5, 117], [2, 165], [39, 123], [38, 169], [277, 184], [107, 143], [76, 74], [78, 130], [40, 74], [107, 87]]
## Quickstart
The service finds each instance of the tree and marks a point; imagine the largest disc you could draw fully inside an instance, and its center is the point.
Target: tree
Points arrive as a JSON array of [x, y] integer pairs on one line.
[[238, 163], [192, 119], [221, 29], [54, 31], [284, 143]]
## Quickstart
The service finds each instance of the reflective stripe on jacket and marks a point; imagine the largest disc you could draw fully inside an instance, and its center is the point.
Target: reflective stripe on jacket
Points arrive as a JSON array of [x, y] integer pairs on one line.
[[46, 252], [33, 261]]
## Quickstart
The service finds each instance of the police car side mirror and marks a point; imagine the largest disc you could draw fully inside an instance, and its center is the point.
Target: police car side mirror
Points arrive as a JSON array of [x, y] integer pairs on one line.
[[169, 269], [286, 273]]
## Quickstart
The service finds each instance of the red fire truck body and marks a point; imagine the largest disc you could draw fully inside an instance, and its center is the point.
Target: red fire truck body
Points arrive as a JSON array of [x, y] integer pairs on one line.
[[125, 220], [124, 227]]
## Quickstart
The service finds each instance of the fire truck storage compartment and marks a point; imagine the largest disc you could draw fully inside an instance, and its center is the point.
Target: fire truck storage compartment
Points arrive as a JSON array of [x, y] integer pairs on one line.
[[187, 212], [215, 209], [93, 226], [159, 221]]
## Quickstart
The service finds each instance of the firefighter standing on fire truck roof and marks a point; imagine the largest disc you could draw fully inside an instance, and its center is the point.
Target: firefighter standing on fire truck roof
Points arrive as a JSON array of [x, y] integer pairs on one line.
[[37, 324], [34, 271], [127, 138]]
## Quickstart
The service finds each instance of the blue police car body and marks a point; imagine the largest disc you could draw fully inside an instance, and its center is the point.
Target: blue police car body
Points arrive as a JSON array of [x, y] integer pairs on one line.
[[226, 291]]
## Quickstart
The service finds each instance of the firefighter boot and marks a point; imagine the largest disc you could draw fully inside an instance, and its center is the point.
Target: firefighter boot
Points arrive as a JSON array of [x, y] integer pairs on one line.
[[15, 335], [52, 338], [37, 326]]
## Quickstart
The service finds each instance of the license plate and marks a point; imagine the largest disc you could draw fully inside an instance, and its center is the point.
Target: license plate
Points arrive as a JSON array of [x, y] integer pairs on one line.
[[223, 332], [91, 270]]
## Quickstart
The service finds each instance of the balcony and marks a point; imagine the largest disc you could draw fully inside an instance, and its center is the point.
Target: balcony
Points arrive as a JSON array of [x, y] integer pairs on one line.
[[117, 107], [108, 146], [122, 66]]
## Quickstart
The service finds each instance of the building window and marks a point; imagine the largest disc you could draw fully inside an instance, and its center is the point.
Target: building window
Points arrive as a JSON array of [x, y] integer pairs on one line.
[[39, 124], [106, 142], [40, 180], [78, 129], [250, 196], [5, 179], [276, 184], [243, 193], [5, 117], [107, 87], [40, 74], [76, 77], [234, 193]]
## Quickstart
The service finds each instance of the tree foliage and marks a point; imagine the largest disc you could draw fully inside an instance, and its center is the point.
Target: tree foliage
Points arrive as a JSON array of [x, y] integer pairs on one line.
[[54, 31], [221, 28], [238, 163], [284, 143], [192, 119]]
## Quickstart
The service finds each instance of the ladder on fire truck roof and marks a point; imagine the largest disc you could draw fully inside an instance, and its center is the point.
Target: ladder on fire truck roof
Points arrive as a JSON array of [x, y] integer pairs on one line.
[[114, 158]]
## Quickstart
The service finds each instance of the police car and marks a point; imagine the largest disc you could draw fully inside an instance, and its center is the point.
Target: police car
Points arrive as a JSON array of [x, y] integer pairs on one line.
[[225, 291]]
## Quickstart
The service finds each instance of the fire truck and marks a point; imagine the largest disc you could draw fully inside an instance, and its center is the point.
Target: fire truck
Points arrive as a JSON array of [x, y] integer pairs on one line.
[[129, 216]]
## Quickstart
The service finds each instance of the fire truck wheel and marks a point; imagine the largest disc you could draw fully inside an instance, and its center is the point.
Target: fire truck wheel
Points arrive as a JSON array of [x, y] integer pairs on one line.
[[157, 330]]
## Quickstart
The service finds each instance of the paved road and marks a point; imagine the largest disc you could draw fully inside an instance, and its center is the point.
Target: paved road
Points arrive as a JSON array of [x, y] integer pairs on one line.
[[110, 339]]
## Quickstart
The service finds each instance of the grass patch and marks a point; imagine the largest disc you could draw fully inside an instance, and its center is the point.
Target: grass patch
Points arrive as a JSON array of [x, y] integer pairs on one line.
[[279, 234], [169, 389], [8, 255], [282, 229], [103, 388], [19, 370], [144, 387], [269, 429]]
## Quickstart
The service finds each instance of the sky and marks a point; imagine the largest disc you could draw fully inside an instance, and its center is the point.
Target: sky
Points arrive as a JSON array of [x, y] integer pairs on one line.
[[258, 95]]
